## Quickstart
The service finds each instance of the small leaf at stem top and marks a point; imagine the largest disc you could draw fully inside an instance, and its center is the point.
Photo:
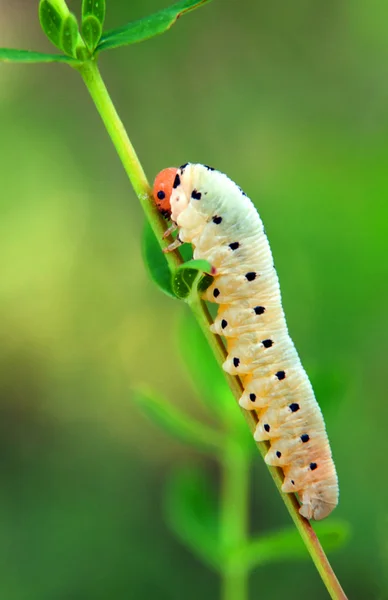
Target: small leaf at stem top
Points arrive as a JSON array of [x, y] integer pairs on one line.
[[69, 35], [60, 26], [148, 27], [94, 8], [27, 56], [51, 21], [91, 31]]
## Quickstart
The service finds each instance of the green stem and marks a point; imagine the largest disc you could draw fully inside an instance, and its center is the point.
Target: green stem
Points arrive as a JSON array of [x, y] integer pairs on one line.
[[234, 519], [114, 126], [127, 154]]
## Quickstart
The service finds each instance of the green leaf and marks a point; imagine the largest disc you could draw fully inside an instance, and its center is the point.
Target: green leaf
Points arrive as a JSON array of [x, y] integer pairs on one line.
[[205, 372], [288, 545], [186, 251], [94, 8], [177, 423], [91, 32], [51, 21], [143, 29], [27, 56], [188, 277], [69, 35], [192, 514], [156, 262], [60, 26]]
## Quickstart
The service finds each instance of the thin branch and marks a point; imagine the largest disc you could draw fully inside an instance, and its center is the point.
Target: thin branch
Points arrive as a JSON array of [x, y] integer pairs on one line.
[[99, 93]]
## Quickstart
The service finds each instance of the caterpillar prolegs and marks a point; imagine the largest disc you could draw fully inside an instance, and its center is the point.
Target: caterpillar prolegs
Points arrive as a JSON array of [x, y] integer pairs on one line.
[[218, 219]]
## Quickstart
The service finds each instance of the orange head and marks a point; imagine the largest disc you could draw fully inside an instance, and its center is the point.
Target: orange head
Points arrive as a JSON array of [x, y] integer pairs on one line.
[[162, 190]]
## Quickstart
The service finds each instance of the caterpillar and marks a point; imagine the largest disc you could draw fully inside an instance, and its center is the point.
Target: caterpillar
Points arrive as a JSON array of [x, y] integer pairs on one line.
[[212, 213]]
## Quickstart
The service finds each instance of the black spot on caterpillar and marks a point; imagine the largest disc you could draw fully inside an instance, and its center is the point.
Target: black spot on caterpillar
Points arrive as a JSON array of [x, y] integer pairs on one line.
[[196, 195]]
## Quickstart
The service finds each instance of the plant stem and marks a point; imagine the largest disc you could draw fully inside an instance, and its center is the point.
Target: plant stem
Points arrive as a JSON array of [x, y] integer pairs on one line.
[[100, 95], [127, 154], [234, 518]]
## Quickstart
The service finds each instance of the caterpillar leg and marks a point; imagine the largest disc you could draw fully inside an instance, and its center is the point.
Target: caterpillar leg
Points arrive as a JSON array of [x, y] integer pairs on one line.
[[169, 231], [173, 246]]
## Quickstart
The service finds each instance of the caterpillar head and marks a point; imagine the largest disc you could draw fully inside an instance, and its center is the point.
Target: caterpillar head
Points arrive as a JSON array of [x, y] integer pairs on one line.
[[162, 190]]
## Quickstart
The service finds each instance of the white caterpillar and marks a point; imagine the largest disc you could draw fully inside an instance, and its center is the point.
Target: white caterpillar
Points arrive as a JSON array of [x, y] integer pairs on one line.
[[218, 219]]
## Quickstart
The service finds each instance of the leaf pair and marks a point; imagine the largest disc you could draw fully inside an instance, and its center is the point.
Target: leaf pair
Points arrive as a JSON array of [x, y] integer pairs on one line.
[[93, 17], [61, 27], [193, 515]]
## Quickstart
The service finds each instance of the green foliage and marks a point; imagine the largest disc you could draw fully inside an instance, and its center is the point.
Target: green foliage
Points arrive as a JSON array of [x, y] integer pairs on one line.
[[288, 545], [69, 35], [51, 21], [60, 26], [156, 262], [94, 8], [27, 56], [148, 27], [91, 31], [177, 423], [192, 514], [188, 278], [93, 16], [210, 381]]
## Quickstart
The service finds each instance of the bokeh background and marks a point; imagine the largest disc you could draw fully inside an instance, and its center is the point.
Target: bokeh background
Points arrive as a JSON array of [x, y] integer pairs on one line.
[[289, 99]]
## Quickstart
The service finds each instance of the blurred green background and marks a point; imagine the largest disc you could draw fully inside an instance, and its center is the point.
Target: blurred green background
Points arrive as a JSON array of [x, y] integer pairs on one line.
[[291, 101]]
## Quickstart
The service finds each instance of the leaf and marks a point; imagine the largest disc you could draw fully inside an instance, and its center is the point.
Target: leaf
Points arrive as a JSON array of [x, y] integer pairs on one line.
[[186, 251], [147, 27], [93, 16], [288, 545], [60, 25], [27, 56], [188, 276], [94, 8], [177, 423], [192, 514], [69, 35], [51, 22], [156, 262], [204, 369], [91, 32]]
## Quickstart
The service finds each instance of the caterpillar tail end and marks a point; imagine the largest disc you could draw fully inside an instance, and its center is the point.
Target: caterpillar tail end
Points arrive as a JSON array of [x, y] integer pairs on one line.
[[315, 508]]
